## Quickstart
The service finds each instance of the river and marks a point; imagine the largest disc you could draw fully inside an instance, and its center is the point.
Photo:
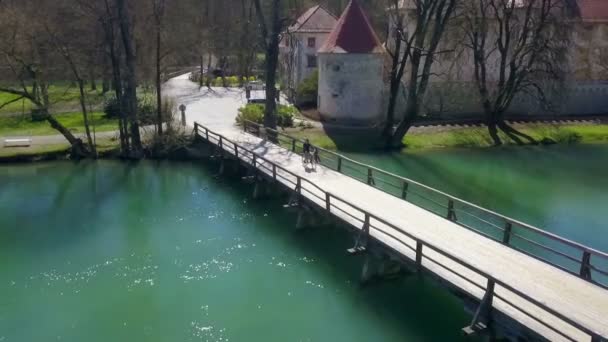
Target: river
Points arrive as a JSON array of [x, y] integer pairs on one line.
[[160, 251]]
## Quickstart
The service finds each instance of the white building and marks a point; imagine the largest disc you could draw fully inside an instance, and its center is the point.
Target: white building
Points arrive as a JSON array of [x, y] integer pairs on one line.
[[301, 41], [352, 71], [453, 92]]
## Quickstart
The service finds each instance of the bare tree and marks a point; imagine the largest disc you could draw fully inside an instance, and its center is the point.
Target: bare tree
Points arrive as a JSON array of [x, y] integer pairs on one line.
[[65, 48], [130, 93], [28, 54], [415, 54], [158, 8], [526, 42], [270, 42]]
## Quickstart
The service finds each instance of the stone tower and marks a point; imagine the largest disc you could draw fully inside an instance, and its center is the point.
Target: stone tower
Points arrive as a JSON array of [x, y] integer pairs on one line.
[[351, 71]]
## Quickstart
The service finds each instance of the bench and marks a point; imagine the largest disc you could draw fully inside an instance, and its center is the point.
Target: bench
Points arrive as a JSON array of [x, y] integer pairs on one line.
[[21, 142]]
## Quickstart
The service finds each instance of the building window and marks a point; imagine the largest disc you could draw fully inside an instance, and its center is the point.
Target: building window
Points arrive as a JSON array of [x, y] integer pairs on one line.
[[311, 61], [312, 42]]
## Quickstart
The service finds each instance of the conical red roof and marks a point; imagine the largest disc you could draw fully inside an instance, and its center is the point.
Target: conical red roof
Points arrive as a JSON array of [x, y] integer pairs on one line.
[[353, 33]]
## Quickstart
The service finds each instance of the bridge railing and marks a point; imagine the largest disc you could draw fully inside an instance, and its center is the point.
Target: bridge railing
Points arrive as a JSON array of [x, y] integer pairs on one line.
[[371, 223], [572, 257]]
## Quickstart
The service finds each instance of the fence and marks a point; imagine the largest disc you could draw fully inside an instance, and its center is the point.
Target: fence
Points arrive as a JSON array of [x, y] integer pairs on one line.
[[567, 255], [343, 208]]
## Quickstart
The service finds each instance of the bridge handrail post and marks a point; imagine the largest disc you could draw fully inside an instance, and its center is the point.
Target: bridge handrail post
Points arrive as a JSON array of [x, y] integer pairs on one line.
[[254, 161], [339, 168], [299, 185], [328, 201], [585, 271], [293, 145], [404, 190], [370, 179], [221, 142], [419, 246], [207, 133], [274, 171], [506, 238], [451, 213], [236, 151]]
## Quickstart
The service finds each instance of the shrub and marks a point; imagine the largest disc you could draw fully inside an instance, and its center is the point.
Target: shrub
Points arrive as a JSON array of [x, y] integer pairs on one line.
[[286, 114], [306, 94], [255, 112], [251, 112], [217, 82], [232, 81], [111, 108]]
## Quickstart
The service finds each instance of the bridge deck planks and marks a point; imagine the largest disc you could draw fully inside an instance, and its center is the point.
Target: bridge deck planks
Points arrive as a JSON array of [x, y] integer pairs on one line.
[[573, 297]]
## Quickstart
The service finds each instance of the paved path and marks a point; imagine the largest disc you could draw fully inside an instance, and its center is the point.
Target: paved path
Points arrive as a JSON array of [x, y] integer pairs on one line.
[[571, 296]]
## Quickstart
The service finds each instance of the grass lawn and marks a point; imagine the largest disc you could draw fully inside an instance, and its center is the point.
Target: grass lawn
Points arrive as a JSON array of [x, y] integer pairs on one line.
[[18, 125], [470, 137], [62, 98], [34, 150]]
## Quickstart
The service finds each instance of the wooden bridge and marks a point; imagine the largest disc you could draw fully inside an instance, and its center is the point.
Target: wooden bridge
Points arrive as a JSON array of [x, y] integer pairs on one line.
[[524, 282]]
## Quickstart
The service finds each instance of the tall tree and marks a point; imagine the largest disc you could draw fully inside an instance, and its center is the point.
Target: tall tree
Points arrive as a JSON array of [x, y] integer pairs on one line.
[[270, 42], [416, 55], [528, 46], [130, 93], [158, 8], [28, 53]]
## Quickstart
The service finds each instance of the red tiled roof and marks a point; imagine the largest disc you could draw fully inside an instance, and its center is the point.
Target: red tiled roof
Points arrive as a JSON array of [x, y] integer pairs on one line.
[[315, 19], [353, 33], [593, 10]]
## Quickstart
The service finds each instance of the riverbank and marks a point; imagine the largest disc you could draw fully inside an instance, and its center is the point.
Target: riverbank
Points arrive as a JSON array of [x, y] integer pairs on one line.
[[419, 138], [456, 136]]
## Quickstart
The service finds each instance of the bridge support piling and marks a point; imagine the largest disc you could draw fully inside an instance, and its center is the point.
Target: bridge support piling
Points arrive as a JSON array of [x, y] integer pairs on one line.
[[483, 316], [307, 218], [260, 189], [380, 267]]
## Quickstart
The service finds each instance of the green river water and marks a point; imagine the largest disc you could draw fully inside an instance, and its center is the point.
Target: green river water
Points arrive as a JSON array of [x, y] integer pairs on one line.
[[110, 251]]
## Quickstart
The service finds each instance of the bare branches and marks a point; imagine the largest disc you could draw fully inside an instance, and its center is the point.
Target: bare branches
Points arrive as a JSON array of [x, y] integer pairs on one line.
[[261, 21], [523, 39]]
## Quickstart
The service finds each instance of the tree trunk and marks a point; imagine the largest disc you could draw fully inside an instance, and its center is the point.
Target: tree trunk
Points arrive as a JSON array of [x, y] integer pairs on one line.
[[85, 116], [130, 93], [272, 60], [115, 81], [159, 101], [78, 148], [390, 114], [201, 72], [93, 82], [492, 122], [396, 140], [208, 80]]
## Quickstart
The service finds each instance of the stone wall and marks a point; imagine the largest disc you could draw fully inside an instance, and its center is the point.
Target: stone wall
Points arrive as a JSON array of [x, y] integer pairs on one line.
[[351, 88]]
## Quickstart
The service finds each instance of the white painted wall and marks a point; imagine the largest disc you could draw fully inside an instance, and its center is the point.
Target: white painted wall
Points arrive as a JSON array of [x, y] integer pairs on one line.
[[351, 87], [298, 52], [452, 91]]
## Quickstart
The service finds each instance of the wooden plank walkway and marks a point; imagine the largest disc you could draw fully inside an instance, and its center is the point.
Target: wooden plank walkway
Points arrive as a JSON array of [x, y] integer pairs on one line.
[[546, 300]]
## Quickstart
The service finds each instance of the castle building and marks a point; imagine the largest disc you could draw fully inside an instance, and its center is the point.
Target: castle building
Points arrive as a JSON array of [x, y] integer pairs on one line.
[[353, 66], [351, 71], [299, 46]]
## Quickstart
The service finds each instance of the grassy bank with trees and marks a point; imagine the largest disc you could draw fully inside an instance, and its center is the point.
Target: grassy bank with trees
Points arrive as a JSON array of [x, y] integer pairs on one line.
[[435, 137]]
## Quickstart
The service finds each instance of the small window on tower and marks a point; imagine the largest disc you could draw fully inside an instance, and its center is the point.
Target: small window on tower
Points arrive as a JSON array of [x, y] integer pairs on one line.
[[311, 61], [312, 42]]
